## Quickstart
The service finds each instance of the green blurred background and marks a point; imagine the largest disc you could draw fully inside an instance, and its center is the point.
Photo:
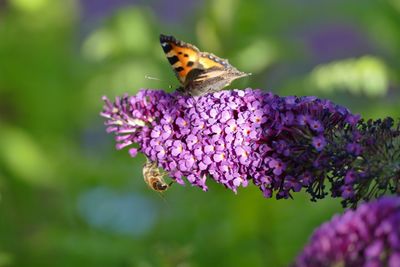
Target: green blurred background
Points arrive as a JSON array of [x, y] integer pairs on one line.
[[68, 198]]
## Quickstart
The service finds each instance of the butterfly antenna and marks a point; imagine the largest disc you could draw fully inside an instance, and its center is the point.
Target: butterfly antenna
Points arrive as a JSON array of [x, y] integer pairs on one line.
[[151, 78], [156, 79]]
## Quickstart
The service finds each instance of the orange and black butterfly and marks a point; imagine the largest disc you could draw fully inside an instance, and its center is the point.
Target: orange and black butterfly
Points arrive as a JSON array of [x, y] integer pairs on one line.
[[198, 72]]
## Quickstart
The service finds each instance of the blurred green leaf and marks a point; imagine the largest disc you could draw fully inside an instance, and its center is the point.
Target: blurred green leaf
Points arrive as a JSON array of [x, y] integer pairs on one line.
[[122, 78], [29, 5], [99, 45], [207, 35], [6, 259], [257, 56], [224, 12], [24, 157], [366, 75], [395, 4], [128, 32]]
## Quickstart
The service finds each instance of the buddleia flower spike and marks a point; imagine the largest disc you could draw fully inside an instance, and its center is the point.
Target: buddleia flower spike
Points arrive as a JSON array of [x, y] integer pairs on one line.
[[280, 144], [367, 236]]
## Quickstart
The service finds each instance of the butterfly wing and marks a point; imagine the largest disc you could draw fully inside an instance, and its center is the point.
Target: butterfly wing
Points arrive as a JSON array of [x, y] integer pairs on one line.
[[209, 60], [216, 73], [182, 56]]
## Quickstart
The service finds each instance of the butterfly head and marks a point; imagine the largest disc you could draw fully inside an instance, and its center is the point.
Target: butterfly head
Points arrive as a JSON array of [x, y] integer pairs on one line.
[[235, 74]]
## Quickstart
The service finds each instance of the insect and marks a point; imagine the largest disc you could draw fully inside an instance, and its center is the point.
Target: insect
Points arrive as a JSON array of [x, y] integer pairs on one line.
[[153, 177], [198, 72]]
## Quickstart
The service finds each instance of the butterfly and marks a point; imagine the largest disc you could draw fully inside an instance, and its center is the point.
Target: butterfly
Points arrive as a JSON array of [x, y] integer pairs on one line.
[[198, 72]]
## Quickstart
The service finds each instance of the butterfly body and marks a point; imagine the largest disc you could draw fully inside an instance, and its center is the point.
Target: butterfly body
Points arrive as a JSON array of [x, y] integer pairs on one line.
[[198, 72]]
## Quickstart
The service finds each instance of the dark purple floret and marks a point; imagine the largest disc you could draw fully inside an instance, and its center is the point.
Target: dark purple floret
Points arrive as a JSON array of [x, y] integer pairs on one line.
[[367, 236], [281, 144]]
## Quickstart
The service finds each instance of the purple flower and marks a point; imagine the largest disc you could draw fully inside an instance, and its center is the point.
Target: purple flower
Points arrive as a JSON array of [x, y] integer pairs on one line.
[[319, 142], [281, 144], [316, 126], [368, 236], [243, 153], [354, 149], [302, 119], [347, 192], [277, 166], [351, 177]]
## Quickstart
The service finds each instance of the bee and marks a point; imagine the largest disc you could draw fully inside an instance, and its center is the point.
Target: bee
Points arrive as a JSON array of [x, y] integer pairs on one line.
[[153, 177]]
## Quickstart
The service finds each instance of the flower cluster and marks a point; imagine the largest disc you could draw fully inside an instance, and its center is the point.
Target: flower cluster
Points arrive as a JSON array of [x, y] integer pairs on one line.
[[368, 161], [281, 144], [368, 236]]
